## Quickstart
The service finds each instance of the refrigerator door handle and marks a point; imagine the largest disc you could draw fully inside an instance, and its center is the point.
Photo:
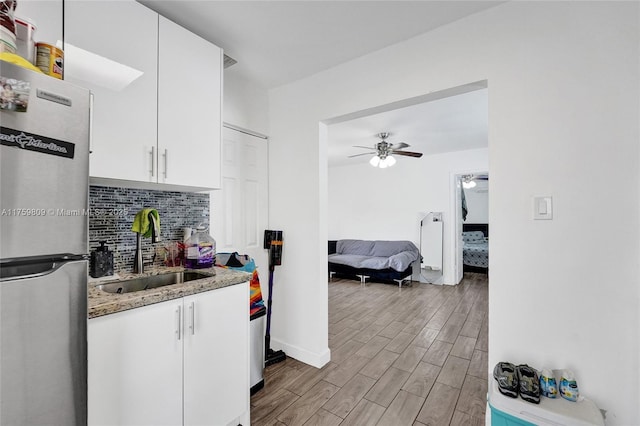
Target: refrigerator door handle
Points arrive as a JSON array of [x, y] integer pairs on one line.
[[34, 270]]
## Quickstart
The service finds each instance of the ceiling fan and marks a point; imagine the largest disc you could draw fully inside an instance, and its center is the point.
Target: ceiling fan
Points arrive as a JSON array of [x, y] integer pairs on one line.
[[384, 151], [469, 181]]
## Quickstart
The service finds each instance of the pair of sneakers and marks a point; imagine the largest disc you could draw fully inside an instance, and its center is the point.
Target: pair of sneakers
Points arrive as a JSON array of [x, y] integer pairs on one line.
[[521, 380]]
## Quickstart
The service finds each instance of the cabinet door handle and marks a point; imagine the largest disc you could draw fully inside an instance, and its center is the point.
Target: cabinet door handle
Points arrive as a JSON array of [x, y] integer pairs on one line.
[[153, 154], [192, 311], [166, 162], [179, 322]]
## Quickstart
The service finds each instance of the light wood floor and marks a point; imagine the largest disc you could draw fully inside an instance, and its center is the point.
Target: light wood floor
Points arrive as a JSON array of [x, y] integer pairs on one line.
[[416, 356]]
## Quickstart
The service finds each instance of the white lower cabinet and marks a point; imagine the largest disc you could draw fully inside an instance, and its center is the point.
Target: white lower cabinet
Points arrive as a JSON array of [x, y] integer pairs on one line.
[[180, 362], [135, 367]]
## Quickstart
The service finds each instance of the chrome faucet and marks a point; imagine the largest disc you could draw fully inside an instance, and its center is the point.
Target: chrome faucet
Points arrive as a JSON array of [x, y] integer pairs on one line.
[[151, 224], [138, 264]]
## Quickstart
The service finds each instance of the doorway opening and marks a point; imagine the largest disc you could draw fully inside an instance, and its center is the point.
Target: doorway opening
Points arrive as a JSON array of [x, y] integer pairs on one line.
[[470, 205], [449, 129]]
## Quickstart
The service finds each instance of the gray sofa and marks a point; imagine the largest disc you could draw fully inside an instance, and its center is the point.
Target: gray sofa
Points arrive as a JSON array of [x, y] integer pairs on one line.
[[375, 260]]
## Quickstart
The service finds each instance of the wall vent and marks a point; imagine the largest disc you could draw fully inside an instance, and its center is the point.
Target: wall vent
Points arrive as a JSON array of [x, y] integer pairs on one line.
[[228, 61]]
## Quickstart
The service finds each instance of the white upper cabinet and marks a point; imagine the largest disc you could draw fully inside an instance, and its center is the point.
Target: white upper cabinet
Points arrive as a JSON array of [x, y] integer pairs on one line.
[[157, 95], [111, 48], [189, 107]]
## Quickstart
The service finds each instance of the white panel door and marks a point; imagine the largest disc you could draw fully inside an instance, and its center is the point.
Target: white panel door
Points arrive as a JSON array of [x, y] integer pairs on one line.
[[239, 211], [135, 366], [216, 356]]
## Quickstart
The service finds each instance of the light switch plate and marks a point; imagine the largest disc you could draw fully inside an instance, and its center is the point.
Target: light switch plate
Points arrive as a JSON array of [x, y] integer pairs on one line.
[[542, 208]]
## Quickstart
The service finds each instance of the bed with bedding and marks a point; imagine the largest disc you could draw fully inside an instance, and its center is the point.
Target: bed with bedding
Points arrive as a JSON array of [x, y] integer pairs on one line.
[[375, 260], [475, 251]]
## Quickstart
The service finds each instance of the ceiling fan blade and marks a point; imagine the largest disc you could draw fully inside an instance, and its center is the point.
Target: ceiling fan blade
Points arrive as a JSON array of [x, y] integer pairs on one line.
[[365, 147], [399, 145], [407, 153], [358, 155]]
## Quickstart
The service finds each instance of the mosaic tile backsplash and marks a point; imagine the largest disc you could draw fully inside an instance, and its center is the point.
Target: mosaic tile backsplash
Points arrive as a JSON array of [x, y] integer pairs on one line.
[[113, 209]]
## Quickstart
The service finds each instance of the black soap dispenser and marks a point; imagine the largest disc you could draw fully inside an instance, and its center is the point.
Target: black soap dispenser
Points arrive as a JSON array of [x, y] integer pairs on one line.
[[101, 264]]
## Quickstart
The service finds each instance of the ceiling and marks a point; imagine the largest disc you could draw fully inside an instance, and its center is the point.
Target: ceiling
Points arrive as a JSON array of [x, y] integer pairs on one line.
[[454, 123], [277, 42]]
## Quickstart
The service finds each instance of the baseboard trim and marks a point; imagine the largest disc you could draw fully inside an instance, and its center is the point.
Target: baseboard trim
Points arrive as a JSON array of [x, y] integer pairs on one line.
[[317, 360], [255, 388]]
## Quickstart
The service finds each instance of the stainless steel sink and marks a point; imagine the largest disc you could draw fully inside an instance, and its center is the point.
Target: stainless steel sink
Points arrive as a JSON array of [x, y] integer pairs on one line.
[[152, 281]]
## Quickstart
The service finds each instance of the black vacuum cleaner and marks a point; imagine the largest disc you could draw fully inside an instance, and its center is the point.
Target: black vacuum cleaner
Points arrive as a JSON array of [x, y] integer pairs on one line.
[[273, 242]]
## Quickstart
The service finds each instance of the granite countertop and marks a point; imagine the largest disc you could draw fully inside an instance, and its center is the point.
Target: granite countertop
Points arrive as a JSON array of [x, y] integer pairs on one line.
[[102, 303]]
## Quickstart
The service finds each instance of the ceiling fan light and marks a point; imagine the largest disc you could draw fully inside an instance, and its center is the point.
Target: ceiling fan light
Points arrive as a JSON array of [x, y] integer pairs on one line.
[[384, 163], [375, 160], [390, 160], [468, 185]]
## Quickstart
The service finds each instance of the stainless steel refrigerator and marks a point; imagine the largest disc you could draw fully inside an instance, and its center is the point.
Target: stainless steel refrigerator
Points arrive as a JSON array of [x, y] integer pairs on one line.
[[44, 173]]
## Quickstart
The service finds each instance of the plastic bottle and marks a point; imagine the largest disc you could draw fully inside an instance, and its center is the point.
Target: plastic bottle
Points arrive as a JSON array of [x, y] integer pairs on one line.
[[569, 386], [200, 249], [548, 385]]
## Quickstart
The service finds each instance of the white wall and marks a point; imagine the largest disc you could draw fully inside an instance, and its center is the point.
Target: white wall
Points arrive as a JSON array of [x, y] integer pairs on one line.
[[245, 104], [47, 17], [384, 204], [477, 199], [563, 109]]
